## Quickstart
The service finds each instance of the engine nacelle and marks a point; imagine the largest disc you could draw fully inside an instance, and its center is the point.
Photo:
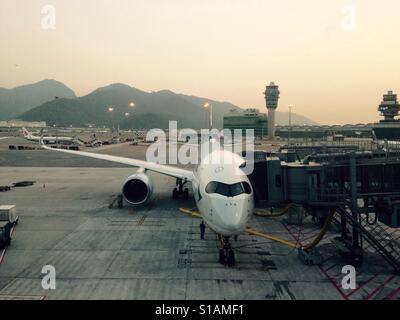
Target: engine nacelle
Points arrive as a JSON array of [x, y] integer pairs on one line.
[[137, 189]]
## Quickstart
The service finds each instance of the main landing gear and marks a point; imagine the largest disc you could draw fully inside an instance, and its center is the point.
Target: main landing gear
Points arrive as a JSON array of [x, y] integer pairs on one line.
[[180, 191], [226, 253]]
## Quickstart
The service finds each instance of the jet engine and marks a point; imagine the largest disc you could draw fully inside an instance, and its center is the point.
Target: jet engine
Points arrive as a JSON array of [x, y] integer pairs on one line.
[[137, 189]]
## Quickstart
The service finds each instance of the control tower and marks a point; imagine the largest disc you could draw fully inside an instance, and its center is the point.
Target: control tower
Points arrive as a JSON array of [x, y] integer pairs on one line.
[[271, 100], [389, 107]]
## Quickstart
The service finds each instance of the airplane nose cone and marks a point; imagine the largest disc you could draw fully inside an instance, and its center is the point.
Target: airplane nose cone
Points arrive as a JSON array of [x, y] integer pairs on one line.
[[232, 223], [233, 215]]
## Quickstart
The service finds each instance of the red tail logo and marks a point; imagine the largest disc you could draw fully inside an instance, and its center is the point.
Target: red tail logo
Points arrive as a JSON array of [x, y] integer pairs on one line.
[[25, 132]]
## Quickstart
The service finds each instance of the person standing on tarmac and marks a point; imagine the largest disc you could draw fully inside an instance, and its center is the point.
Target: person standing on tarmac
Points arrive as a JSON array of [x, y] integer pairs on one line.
[[202, 230]]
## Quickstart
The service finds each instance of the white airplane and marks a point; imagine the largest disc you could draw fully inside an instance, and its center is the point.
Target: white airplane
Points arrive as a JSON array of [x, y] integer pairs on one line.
[[222, 191], [48, 140], [385, 145]]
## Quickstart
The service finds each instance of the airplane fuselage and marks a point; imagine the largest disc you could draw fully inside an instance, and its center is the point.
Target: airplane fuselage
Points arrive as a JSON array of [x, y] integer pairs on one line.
[[51, 140], [223, 194]]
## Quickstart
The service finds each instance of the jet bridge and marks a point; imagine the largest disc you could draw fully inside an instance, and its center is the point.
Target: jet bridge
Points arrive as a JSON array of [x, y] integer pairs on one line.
[[363, 188]]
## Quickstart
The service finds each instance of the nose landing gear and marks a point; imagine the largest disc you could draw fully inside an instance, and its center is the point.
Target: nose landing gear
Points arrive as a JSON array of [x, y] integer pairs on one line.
[[226, 253], [179, 190]]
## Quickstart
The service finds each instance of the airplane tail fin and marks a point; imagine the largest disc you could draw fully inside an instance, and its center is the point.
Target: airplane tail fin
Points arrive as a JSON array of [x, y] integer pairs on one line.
[[374, 138], [379, 144], [25, 132]]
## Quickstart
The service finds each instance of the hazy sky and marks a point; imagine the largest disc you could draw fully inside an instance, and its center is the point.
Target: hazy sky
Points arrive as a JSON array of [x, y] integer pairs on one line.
[[333, 59]]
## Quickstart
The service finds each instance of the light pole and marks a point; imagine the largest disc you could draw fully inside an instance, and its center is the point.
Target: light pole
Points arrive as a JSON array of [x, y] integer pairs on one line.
[[111, 111], [209, 105], [290, 124], [132, 105]]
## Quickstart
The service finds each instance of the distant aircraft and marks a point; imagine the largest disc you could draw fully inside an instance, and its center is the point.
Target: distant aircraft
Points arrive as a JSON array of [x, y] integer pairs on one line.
[[221, 189], [385, 145], [47, 140]]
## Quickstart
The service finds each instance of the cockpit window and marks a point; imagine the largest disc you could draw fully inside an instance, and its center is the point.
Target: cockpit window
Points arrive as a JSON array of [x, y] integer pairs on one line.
[[228, 190], [211, 187], [247, 187], [236, 189], [223, 189]]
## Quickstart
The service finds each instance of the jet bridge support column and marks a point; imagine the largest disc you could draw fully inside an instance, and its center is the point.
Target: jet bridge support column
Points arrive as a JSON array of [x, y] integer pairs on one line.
[[353, 204], [343, 227]]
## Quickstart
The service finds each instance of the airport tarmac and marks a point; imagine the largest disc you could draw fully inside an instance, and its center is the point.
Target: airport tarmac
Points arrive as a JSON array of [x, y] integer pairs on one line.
[[151, 252]]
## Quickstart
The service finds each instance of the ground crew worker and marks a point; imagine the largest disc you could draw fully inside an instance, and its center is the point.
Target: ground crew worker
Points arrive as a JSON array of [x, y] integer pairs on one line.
[[202, 230]]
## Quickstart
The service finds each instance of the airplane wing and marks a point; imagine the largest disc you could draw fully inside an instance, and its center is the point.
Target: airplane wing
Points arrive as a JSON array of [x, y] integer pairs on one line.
[[163, 169]]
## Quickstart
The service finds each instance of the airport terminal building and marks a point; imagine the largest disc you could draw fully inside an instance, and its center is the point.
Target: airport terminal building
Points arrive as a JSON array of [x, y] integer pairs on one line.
[[248, 119], [20, 124], [388, 128]]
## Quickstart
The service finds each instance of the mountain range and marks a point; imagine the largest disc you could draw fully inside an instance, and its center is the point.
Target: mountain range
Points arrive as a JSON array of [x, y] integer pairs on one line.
[[14, 102], [55, 103]]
